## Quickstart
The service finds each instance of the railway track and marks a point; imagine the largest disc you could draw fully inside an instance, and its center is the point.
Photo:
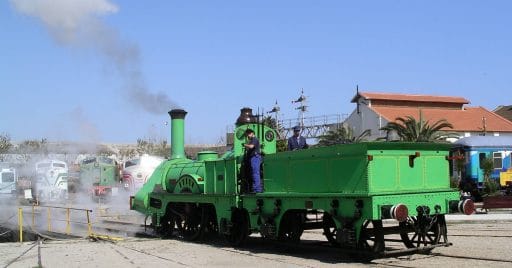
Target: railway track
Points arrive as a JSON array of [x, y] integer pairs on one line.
[[466, 257]]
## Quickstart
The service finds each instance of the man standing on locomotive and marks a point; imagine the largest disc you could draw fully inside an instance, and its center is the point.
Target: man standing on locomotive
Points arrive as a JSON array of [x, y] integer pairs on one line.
[[297, 142], [253, 153]]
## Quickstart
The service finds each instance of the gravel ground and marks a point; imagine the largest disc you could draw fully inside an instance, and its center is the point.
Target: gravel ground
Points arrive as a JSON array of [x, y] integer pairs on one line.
[[476, 243]]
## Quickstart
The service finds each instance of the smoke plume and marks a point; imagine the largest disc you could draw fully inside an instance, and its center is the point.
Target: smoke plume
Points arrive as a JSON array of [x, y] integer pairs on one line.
[[85, 128], [78, 24]]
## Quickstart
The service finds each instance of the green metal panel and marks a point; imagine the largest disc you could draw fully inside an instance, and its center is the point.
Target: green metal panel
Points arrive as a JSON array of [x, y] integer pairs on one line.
[[209, 177], [383, 181], [231, 176], [347, 169], [265, 135], [391, 171], [220, 177]]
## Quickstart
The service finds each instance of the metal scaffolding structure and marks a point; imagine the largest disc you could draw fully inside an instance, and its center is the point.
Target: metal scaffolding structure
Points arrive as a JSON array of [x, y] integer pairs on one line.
[[313, 127]]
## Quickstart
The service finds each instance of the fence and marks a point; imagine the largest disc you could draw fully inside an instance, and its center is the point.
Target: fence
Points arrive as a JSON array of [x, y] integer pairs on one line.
[[52, 218]]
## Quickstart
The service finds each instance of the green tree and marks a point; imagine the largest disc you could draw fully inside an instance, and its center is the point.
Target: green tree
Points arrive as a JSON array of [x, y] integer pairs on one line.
[[127, 153], [162, 149], [409, 129], [5, 143], [33, 146], [147, 146], [341, 135], [487, 165]]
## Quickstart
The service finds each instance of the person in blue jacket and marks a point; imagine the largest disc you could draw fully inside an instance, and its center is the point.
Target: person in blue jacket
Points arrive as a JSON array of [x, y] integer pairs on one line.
[[296, 142]]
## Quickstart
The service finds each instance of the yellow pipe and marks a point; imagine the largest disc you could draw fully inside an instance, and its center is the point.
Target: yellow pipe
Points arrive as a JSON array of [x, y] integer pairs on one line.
[[20, 222], [89, 227], [33, 216], [68, 227]]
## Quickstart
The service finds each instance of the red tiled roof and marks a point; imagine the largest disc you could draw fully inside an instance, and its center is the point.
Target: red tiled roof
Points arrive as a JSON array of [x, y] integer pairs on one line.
[[409, 97], [468, 119]]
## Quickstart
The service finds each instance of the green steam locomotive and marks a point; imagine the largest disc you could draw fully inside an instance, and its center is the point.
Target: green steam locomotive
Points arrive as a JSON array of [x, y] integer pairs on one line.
[[362, 195]]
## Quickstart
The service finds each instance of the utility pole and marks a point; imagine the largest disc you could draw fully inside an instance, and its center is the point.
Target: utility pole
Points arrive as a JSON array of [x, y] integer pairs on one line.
[[302, 107], [275, 110]]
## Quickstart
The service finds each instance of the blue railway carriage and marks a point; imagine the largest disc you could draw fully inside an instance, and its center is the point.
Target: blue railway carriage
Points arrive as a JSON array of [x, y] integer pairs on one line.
[[468, 155]]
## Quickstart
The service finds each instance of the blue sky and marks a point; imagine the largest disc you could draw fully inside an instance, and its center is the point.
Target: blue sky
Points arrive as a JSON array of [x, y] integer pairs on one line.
[[214, 57]]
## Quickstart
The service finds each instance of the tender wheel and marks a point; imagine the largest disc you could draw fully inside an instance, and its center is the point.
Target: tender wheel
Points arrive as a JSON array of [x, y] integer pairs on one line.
[[191, 226], [291, 226], [330, 229], [372, 236], [371, 241], [421, 231], [239, 229]]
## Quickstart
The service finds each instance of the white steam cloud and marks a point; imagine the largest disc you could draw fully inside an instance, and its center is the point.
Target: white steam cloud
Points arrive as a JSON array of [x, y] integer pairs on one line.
[[78, 24]]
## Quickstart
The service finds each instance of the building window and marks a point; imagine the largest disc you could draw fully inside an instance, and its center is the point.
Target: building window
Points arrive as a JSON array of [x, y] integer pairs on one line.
[[496, 134], [497, 160], [467, 134]]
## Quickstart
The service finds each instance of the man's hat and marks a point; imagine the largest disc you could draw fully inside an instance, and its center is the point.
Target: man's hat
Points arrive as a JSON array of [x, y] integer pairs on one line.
[[248, 131], [296, 128]]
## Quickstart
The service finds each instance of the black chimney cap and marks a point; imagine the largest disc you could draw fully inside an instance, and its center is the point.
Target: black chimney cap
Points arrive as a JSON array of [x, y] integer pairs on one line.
[[245, 117], [177, 113]]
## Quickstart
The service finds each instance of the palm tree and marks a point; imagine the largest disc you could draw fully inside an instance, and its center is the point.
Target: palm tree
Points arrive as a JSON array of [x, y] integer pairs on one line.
[[408, 129], [487, 165], [343, 134]]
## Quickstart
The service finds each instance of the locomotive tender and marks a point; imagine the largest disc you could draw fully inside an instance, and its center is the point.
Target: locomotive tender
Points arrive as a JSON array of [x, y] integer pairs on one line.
[[350, 188]]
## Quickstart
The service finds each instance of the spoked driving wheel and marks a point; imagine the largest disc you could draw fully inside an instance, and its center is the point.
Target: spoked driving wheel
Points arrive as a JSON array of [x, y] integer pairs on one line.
[[192, 223], [167, 225], [330, 230], [211, 225], [291, 226], [421, 231]]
